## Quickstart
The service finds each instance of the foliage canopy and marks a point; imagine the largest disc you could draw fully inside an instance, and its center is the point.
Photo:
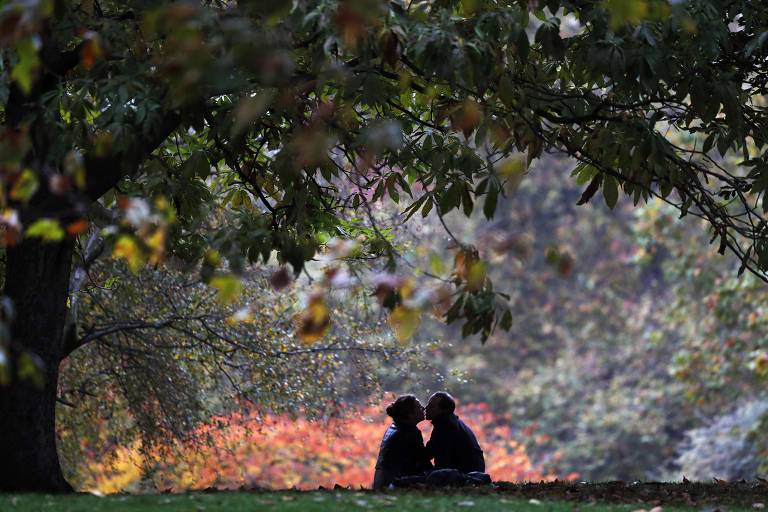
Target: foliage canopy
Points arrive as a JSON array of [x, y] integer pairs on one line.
[[254, 127]]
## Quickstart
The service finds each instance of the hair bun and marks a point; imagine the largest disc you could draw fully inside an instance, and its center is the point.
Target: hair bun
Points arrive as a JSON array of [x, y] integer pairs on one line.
[[401, 406]]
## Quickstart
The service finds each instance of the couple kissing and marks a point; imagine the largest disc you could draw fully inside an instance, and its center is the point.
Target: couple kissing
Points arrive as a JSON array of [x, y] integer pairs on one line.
[[405, 461]]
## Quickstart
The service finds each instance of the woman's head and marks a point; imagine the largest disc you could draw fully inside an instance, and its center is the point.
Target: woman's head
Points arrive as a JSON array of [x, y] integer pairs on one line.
[[406, 410]]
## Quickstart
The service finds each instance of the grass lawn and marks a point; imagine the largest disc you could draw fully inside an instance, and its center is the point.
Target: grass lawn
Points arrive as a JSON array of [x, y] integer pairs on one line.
[[336, 501], [542, 497]]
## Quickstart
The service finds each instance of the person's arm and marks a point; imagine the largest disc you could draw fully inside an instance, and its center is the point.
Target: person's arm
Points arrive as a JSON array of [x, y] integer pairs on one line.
[[429, 448], [385, 462], [434, 445], [423, 455]]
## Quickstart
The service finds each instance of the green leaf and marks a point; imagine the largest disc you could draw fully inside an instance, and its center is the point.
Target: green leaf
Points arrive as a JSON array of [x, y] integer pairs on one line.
[[436, 264], [610, 191], [466, 200], [506, 320], [413, 208], [427, 207], [48, 229], [196, 165], [449, 199], [228, 286], [489, 208], [25, 70], [593, 186]]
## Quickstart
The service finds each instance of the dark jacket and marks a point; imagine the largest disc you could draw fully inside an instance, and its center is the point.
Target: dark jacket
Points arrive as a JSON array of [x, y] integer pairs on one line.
[[454, 446], [401, 453]]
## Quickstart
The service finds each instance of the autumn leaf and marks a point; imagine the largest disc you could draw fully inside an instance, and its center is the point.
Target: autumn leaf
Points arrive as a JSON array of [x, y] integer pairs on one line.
[[404, 322], [280, 279], [466, 118], [91, 50], [128, 249], [476, 275], [313, 323], [24, 186], [436, 265], [626, 11], [468, 268], [156, 244], [565, 264], [77, 227], [48, 229], [228, 286], [25, 71], [513, 171]]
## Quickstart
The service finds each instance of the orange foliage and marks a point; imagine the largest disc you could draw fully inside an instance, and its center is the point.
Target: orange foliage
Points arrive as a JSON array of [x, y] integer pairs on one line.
[[253, 449]]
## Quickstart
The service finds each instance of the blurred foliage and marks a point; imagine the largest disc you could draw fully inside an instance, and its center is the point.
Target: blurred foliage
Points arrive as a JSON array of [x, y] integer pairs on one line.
[[164, 355], [254, 449]]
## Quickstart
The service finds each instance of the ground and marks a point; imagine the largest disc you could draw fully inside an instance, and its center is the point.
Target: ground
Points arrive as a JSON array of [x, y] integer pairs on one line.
[[557, 497]]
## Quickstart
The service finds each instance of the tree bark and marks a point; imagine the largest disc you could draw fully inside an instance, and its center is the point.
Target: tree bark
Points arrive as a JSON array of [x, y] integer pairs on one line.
[[37, 280]]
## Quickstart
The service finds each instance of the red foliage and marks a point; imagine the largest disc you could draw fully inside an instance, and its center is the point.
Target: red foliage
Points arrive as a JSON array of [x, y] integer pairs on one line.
[[255, 449]]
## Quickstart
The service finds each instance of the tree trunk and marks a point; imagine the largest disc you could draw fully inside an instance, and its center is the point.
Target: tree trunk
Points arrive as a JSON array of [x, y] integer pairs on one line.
[[37, 280]]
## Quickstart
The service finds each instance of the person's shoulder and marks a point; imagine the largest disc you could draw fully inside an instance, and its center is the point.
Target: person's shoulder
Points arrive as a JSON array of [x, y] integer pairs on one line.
[[391, 432]]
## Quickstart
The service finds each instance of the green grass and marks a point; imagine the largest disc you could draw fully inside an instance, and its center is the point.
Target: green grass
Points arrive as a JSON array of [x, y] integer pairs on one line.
[[315, 501]]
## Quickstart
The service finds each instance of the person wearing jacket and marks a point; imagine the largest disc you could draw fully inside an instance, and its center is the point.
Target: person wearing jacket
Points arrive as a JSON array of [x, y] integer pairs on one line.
[[402, 452], [452, 444]]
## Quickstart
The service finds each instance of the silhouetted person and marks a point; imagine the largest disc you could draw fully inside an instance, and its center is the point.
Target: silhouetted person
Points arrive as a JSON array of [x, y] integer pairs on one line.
[[402, 451], [453, 445]]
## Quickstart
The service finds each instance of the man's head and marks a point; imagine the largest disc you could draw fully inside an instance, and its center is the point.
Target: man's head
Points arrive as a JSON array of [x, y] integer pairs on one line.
[[440, 404]]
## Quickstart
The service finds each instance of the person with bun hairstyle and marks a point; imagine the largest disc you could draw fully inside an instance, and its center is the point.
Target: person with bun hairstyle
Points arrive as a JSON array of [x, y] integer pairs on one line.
[[402, 452]]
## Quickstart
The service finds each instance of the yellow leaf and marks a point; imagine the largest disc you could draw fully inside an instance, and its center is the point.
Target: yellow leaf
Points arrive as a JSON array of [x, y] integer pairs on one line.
[[229, 287], [156, 242], [48, 229], [407, 288], [476, 275], [436, 264], [513, 171], [128, 249], [25, 186], [212, 257], [461, 263], [313, 323], [404, 321], [626, 11]]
